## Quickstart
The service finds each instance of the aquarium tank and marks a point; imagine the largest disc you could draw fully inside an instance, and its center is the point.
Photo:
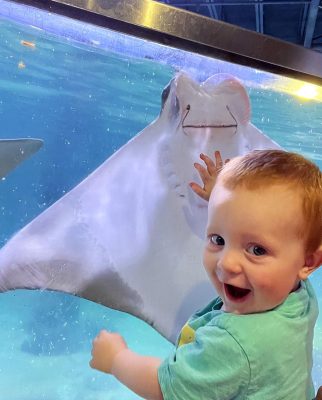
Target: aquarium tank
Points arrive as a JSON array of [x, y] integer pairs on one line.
[[86, 91]]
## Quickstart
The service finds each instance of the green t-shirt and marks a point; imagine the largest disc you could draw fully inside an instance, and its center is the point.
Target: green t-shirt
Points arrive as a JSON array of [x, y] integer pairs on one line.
[[263, 356]]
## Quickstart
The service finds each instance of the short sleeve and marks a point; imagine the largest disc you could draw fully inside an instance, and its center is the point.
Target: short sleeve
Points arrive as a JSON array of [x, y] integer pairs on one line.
[[213, 367]]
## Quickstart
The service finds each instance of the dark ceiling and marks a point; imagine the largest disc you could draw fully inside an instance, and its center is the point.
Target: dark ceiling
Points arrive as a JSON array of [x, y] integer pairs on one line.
[[296, 21]]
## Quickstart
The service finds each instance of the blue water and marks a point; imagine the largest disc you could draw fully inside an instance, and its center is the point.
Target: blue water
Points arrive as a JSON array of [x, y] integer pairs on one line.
[[86, 103]]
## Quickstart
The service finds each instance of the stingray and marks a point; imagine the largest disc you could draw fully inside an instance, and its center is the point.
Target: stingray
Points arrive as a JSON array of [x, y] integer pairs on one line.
[[14, 151], [130, 236]]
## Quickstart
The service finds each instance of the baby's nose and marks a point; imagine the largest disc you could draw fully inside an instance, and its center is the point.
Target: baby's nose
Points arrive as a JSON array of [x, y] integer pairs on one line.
[[230, 263]]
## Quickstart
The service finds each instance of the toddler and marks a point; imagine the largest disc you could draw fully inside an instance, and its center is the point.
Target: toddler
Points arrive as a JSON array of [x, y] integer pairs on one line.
[[254, 341]]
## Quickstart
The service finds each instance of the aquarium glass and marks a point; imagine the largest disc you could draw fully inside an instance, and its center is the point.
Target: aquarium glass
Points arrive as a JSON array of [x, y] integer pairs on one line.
[[86, 91]]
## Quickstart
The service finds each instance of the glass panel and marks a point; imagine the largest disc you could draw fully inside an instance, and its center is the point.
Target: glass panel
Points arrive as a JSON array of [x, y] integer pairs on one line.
[[86, 91]]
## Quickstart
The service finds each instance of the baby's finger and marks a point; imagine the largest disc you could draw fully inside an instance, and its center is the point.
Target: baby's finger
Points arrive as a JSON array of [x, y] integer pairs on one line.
[[218, 159], [203, 172], [199, 190], [211, 167]]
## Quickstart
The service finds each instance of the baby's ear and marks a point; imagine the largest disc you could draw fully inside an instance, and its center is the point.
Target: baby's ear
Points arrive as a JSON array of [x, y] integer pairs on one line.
[[312, 262]]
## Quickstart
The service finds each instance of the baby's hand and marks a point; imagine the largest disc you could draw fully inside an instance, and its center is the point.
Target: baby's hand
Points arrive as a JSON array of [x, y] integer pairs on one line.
[[208, 175], [106, 346]]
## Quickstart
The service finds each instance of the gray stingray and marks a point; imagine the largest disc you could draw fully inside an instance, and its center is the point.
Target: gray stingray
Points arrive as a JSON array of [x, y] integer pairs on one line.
[[130, 236], [14, 151]]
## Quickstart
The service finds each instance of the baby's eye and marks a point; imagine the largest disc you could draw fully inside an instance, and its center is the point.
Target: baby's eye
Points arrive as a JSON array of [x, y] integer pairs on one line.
[[256, 250], [216, 240]]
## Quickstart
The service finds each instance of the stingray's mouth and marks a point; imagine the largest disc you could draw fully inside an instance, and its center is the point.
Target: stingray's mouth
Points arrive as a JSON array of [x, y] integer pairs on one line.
[[236, 293], [191, 129], [205, 126], [209, 126]]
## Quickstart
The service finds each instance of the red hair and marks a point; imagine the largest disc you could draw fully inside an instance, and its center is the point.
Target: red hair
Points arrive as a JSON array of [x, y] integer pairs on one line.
[[268, 167]]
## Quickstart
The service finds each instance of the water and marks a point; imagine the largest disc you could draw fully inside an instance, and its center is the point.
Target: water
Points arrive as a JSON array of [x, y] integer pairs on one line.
[[85, 103]]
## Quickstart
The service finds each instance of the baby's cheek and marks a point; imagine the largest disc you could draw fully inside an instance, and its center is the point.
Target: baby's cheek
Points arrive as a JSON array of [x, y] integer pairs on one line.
[[265, 283], [274, 291], [209, 261]]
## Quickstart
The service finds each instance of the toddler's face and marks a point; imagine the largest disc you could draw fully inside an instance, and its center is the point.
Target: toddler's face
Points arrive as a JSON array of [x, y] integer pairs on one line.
[[254, 254]]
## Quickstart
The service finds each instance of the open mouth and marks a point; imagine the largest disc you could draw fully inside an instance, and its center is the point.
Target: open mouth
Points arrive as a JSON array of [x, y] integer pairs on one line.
[[235, 293]]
